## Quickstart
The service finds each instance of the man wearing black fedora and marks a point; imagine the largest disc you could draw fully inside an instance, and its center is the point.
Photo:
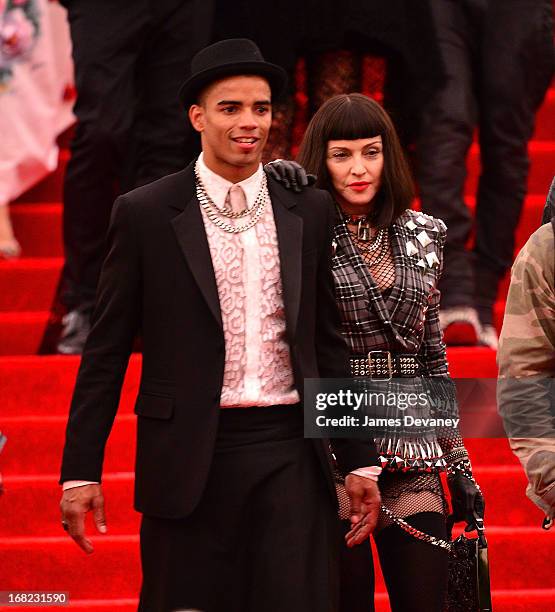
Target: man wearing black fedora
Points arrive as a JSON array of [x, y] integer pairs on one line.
[[227, 277]]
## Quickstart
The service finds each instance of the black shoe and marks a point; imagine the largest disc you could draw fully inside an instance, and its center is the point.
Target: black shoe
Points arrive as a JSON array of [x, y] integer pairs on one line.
[[76, 327]]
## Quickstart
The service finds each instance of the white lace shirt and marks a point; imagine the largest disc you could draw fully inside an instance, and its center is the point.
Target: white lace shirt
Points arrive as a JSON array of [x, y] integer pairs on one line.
[[258, 368]]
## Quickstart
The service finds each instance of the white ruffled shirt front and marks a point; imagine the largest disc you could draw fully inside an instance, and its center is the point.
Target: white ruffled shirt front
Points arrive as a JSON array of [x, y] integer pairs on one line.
[[258, 369]]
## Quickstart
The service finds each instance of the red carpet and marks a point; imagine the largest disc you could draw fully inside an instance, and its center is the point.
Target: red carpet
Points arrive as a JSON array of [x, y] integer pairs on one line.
[[35, 393]]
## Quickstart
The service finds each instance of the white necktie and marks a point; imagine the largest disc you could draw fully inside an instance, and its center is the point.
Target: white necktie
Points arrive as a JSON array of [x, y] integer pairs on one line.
[[236, 199]]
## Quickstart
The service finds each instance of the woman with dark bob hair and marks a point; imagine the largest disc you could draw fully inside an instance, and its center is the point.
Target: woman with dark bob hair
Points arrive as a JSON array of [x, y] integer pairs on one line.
[[386, 265]]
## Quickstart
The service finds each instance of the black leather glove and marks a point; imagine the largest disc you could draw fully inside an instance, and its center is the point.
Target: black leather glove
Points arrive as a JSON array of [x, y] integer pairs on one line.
[[290, 174], [466, 499]]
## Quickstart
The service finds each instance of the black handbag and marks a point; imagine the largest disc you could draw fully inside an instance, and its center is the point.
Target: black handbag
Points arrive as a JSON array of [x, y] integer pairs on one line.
[[468, 587], [468, 582], [468, 577]]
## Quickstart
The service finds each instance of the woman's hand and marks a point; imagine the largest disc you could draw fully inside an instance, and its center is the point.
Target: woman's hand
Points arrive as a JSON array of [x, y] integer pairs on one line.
[[290, 174], [465, 500]]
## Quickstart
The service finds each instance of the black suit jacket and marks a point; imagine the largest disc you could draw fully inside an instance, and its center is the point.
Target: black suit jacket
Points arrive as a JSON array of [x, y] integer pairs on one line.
[[158, 278]]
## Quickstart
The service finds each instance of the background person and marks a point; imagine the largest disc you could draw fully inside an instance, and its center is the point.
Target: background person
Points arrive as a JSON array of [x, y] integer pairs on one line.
[[499, 60], [130, 57], [526, 360]]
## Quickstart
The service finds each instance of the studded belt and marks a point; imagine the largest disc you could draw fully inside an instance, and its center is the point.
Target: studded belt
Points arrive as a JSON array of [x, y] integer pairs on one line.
[[384, 365]]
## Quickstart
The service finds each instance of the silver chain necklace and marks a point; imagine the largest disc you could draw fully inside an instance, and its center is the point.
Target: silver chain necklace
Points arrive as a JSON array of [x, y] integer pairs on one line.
[[213, 212], [367, 252]]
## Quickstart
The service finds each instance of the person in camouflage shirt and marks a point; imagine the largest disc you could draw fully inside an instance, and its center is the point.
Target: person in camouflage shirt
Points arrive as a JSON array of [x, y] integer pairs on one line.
[[526, 360]]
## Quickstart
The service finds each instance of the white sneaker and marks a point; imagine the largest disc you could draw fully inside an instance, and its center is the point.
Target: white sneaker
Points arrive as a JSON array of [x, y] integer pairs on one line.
[[460, 325], [488, 337]]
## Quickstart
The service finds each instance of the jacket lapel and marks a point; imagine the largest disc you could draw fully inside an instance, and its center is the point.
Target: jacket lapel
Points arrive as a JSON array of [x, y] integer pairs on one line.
[[289, 227], [191, 236], [375, 297], [401, 262]]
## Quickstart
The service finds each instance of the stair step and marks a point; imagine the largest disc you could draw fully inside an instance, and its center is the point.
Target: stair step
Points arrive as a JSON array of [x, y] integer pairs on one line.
[[33, 385], [34, 500], [21, 332], [520, 558], [35, 445], [50, 188], [42, 385], [38, 227], [29, 284], [521, 600]]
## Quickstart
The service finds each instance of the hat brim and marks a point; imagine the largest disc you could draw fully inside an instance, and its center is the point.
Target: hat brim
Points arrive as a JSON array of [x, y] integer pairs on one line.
[[275, 75]]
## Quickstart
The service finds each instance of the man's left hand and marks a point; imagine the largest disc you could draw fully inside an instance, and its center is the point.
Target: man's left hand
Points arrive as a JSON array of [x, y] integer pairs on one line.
[[365, 507]]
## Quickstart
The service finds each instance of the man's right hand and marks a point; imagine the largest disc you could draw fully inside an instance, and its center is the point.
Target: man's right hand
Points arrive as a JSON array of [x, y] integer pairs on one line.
[[365, 507], [75, 504]]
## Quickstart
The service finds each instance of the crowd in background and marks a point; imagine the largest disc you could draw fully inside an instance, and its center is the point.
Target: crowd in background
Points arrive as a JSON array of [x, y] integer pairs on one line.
[[442, 68]]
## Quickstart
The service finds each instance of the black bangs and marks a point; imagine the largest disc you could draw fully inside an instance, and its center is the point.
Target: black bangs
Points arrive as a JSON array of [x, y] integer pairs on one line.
[[352, 117]]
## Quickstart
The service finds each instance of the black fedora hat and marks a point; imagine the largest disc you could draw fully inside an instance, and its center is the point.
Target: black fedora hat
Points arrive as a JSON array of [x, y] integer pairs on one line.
[[231, 57]]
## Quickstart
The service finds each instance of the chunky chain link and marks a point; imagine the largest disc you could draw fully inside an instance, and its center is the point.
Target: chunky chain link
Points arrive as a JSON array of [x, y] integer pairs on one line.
[[213, 212], [416, 533]]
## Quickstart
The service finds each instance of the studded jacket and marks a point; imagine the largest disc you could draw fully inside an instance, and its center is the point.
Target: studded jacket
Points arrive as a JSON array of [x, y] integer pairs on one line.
[[406, 321]]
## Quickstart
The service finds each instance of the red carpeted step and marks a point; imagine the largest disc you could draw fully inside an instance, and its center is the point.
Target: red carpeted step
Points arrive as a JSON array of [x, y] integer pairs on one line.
[[542, 155], [34, 500], [520, 558], [57, 564], [21, 332], [29, 284], [504, 488], [38, 228], [471, 362], [43, 384], [33, 385], [529, 600], [50, 188], [490, 451], [35, 445]]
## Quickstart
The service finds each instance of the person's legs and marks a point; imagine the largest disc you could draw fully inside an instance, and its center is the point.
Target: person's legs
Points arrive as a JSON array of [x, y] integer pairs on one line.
[[263, 536], [163, 140], [106, 39], [447, 126], [415, 572], [295, 536], [356, 593], [516, 68], [197, 562]]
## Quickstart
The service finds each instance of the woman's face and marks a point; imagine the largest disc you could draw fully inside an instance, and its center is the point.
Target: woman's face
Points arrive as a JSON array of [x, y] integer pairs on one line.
[[355, 168]]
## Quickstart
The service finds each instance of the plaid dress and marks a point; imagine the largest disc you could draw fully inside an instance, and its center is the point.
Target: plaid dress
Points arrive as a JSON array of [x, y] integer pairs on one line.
[[405, 320]]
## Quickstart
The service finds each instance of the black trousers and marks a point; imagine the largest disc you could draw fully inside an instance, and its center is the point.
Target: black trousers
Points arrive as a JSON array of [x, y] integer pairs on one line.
[[130, 58], [264, 536], [415, 572], [499, 60]]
